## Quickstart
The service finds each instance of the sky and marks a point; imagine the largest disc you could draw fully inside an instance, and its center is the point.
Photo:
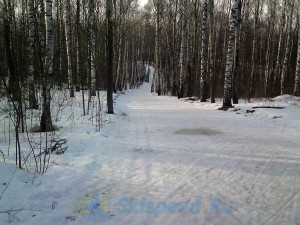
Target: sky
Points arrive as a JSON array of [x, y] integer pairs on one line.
[[143, 2]]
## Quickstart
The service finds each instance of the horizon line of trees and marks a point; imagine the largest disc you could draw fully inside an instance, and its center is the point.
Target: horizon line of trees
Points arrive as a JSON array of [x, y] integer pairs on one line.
[[229, 48]]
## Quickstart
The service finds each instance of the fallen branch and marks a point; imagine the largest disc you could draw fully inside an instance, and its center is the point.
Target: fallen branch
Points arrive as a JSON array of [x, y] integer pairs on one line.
[[2, 155]]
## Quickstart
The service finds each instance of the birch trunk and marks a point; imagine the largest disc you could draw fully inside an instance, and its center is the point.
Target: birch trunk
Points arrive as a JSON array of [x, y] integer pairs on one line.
[[280, 47], [236, 69], [230, 56], [120, 43], [92, 46], [32, 98], [254, 52], [156, 85], [183, 49], [272, 9], [204, 53], [69, 45], [287, 48], [211, 67], [297, 77], [110, 56], [46, 121], [78, 58]]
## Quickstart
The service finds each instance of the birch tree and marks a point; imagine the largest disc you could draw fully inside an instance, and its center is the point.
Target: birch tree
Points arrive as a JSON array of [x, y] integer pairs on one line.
[[230, 55], [156, 85], [183, 48], [211, 50], [272, 7], [204, 53], [236, 69], [46, 121], [297, 75], [110, 56], [92, 47], [254, 69], [288, 46], [31, 20], [280, 48], [69, 45]]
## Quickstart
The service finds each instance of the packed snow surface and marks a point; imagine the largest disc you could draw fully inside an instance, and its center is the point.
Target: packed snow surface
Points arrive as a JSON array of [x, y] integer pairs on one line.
[[166, 161]]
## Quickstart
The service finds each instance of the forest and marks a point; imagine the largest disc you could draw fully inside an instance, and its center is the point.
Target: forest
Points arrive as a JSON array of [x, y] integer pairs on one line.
[[149, 112], [229, 49]]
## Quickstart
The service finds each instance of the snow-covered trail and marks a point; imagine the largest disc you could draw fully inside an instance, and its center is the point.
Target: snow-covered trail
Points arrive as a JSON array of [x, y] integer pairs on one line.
[[216, 168], [170, 155]]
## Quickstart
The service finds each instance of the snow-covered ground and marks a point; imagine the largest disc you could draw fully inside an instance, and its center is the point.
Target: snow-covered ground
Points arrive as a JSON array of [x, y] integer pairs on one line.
[[167, 161]]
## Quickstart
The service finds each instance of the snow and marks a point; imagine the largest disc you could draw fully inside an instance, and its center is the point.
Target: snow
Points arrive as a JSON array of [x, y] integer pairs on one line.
[[287, 98], [166, 161]]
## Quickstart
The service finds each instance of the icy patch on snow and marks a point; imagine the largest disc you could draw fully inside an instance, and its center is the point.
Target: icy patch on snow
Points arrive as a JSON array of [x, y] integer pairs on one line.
[[199, 131]]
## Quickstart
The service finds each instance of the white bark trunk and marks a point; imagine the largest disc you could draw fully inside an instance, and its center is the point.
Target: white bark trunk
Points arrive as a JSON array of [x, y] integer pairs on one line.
[[297, 77], [92, 46], [280, 46], [183, 48], [32, 14], [230, 55], [50, 38], [287, 48], [68, 29], [204, 53]]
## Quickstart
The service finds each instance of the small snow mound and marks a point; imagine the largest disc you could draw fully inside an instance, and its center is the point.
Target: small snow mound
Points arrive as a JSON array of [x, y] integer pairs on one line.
[[286, 98]]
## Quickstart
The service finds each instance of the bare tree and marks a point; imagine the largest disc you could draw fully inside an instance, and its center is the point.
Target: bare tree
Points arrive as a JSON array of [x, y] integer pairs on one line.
[[211, 64], [230, 55], [280, 48], [69, 45], [183, 48], [204, 53], [288, 46], [297, 76], [46, 121], [110, 56], [92, 47]]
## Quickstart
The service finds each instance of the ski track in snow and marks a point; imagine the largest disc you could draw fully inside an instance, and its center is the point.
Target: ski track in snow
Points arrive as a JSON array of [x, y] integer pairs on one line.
[[253, 162]]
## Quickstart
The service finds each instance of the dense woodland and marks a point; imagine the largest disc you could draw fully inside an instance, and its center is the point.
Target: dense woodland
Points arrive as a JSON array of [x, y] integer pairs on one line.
[[229, 49], [196, 46]]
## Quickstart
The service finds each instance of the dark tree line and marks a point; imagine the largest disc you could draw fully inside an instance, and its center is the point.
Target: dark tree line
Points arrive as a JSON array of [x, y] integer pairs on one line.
[[227, 48], [203, 48]]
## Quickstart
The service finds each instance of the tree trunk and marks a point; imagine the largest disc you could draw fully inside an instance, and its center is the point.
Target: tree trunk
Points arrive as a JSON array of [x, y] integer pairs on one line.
[[254, 52], [183, 49], [46, 121], [33, 104], [280, 48], [211, 67], [297, 76], [271, 21], [236, 71], [204, 53], [92, 46], [110, 56], [287, 48], [230, 55], [68, 31]]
